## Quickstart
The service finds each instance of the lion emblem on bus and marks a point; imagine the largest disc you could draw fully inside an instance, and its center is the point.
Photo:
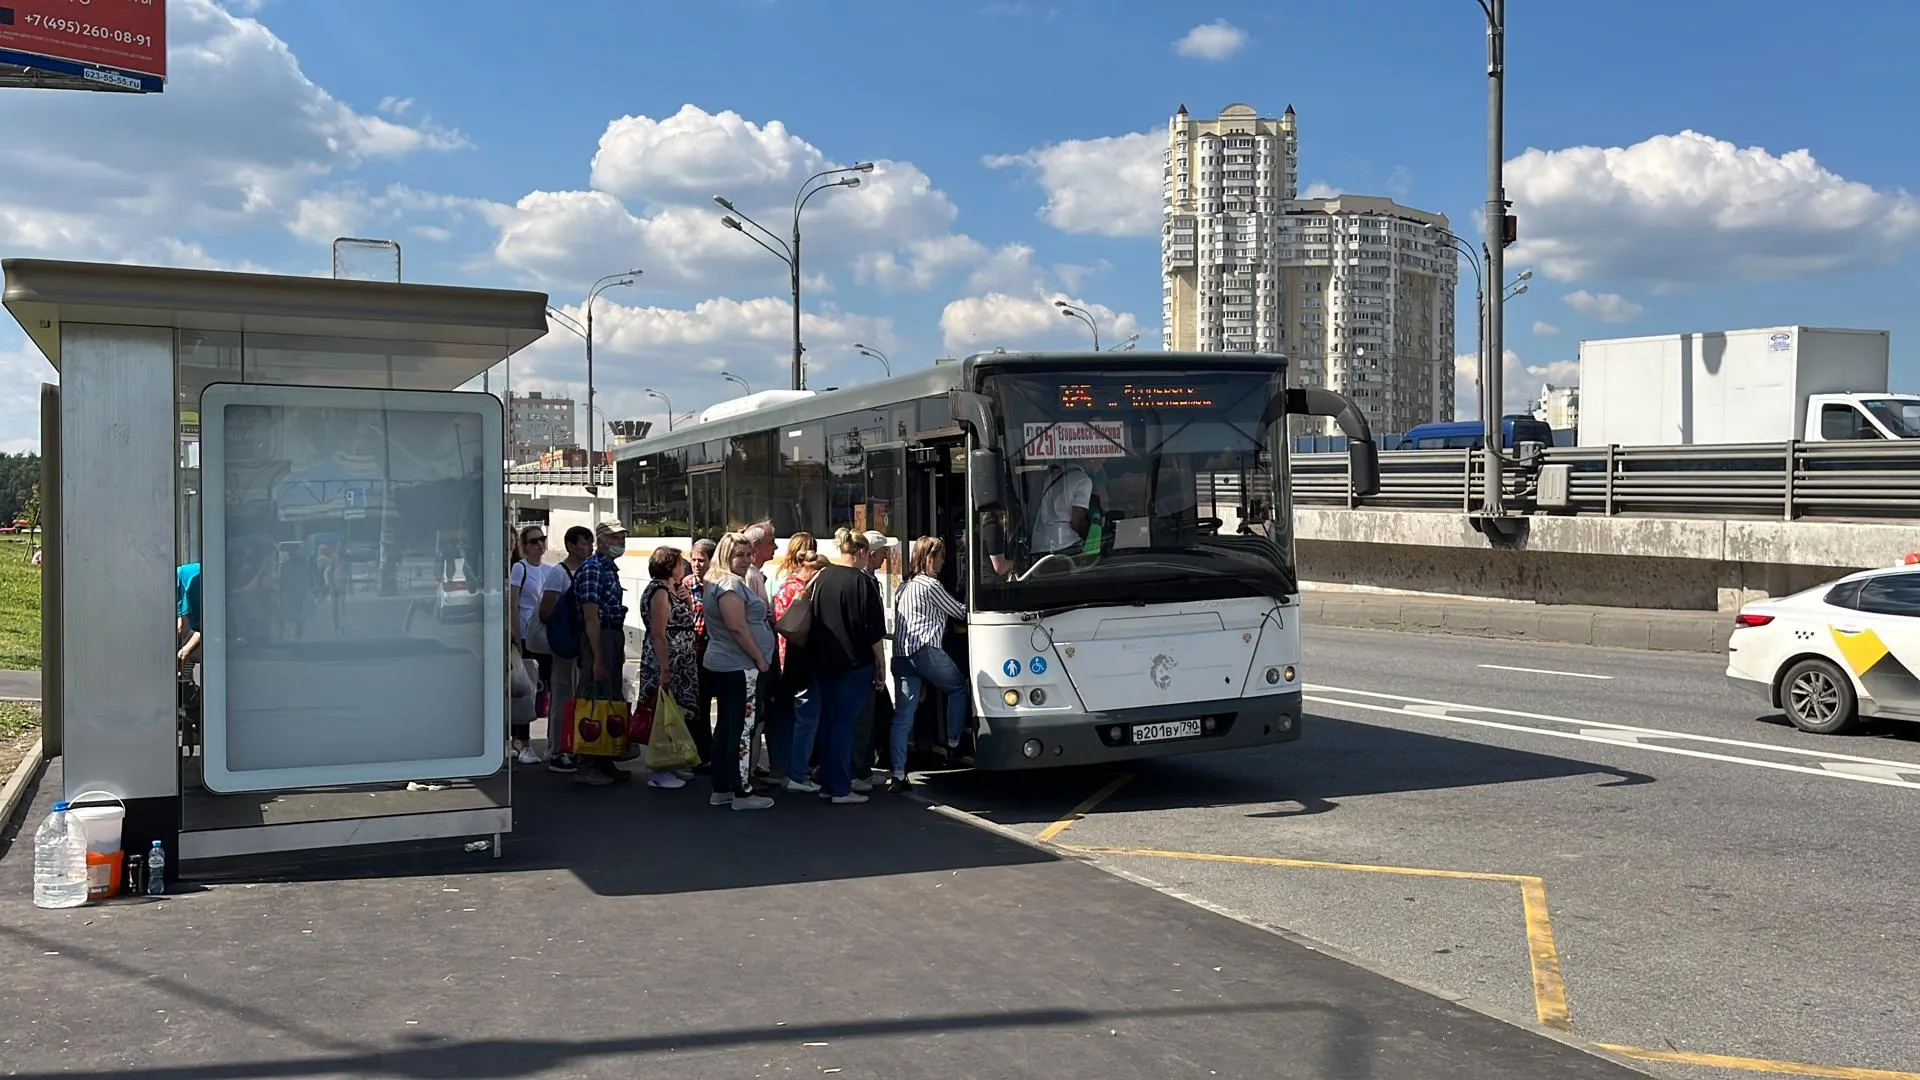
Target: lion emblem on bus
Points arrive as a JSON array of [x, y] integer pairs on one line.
[[1161, 670]]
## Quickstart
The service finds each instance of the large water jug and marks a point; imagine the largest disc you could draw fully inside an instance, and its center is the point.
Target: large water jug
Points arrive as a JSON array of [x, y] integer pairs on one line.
[[60, 861]]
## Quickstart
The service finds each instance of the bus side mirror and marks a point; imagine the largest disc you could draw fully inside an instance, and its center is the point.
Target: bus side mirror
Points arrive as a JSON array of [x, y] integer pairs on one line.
[[984, 471], [1363, 468]]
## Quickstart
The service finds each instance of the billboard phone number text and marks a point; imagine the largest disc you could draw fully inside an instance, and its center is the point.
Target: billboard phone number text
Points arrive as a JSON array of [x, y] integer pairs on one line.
[[88, 30]]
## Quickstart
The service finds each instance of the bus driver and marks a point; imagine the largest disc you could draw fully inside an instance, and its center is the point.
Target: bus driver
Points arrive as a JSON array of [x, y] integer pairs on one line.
[[1060, 515]]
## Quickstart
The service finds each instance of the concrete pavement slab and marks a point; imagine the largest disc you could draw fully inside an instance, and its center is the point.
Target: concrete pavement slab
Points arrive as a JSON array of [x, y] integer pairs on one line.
[[630, 931]]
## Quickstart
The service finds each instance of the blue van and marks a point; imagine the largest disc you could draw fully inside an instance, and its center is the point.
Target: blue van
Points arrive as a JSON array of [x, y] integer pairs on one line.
[[1468, 434]]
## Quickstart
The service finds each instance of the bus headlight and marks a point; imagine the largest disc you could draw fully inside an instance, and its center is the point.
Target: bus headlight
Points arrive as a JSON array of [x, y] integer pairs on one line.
[[1288, 674], [1031, 748], [1037, 696], [1273, 676], [1011, 697]]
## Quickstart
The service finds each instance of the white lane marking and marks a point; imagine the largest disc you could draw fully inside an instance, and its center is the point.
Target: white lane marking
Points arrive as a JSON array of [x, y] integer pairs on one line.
[[1681, 751], [1544, 671], [1440, 708], [1855, 768]]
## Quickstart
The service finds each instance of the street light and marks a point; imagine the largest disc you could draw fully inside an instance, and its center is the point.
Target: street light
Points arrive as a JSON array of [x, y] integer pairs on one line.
[[625, 277], [732, 378], [1074, 311], [789, 252], [868, 350], [1127, 345], [1496, 214], [651, 392], [1479, 314]]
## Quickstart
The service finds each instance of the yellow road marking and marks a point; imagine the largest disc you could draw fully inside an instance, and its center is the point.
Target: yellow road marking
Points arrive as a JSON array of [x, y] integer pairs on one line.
[[1766, 1065], [1549, 987], [1086, 807]]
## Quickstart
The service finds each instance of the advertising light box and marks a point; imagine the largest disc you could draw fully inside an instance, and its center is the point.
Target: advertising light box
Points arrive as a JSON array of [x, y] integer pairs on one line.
[[87, 44], [353, 586]]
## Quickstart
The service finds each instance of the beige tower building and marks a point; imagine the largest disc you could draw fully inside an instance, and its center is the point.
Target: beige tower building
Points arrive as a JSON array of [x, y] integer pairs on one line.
[[1357, 291]]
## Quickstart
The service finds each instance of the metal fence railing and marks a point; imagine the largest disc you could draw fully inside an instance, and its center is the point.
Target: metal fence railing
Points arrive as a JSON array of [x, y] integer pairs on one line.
[[1759, 480]]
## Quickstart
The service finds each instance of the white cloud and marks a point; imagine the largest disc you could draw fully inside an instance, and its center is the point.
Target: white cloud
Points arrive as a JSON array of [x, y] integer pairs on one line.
[[1002, 320], [1320, 190], [1520, 387], [235, 142], [1544, 328], [649, 204], [681, 351], [1690, 207], [1217, 40], [1607, 307], [1109, 186]]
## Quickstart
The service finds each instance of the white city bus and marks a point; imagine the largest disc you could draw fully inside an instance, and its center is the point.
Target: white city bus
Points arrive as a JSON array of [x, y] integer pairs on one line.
[[1169, 625]]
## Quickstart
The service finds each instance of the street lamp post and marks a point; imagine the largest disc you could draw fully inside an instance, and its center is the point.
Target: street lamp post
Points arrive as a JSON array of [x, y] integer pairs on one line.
[[868, 350], [732, 378], [625, 277], [651, 392], [1074, 311], [789, 251], [1479, 315], [1127, 345], [1496, 13]]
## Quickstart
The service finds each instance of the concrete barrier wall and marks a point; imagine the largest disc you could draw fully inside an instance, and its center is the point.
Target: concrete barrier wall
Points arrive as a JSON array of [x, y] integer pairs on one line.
[[1696, 564], [1554, 577]]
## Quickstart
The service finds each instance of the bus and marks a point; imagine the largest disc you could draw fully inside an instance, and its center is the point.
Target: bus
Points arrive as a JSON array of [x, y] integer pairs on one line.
[[1172, 625], [1515, 428]]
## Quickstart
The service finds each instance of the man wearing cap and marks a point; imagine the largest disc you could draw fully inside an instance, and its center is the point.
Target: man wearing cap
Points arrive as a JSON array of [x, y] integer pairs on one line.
[[603, 615]]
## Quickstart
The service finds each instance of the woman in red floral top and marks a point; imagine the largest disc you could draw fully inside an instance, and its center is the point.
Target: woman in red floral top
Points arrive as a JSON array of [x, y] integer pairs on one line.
[[797, 752], [700, 717]]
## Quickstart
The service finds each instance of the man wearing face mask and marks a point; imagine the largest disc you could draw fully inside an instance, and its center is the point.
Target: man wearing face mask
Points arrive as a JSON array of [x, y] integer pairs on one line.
[[603, 615]]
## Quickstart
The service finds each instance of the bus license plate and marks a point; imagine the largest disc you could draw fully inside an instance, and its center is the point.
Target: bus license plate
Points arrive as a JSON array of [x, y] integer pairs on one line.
[[1171, 729]]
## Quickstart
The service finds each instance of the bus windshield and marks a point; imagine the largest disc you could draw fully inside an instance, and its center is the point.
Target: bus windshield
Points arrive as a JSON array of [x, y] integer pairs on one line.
[[1147, 486]]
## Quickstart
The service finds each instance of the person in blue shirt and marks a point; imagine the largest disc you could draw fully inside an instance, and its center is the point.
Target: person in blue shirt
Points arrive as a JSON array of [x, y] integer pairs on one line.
[[187, 610]]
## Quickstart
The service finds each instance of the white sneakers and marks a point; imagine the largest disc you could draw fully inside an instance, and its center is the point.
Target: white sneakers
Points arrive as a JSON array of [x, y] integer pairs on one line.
[[805, 787], [666, 781]]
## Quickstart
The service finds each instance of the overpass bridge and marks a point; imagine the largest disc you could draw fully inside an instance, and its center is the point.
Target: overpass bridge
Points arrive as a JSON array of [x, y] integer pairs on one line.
[[1703, 528]]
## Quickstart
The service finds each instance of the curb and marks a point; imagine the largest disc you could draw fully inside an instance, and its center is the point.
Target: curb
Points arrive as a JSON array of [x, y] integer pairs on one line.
[[1703, 632], [17, 786]]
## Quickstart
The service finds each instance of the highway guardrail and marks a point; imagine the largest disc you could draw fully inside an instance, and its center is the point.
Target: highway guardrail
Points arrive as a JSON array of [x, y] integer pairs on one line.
[[1754, 480]]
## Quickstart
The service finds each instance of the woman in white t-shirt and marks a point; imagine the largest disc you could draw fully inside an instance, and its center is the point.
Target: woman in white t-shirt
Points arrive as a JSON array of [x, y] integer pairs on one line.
[[525, 584]]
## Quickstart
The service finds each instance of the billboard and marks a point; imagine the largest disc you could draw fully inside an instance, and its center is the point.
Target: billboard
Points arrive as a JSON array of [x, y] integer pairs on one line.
[[84, 44]]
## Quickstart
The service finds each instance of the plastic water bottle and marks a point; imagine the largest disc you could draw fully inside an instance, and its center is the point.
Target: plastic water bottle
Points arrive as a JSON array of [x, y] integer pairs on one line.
[[59, 861], [157, 870]]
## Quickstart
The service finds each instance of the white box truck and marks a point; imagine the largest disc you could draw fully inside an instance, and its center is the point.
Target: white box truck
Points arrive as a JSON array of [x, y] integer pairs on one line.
[[1741, 386]]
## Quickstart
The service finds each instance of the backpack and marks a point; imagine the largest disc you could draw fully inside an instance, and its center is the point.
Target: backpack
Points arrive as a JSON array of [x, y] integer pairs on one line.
[[565, 627]]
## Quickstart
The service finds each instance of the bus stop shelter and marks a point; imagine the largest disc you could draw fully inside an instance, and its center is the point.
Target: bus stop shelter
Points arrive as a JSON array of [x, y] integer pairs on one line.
[[302, 443]]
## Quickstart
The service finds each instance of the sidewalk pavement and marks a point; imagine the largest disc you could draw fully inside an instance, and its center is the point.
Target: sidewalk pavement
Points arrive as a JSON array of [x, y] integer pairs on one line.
[[19, 685], [633, 932], [1617, 628]]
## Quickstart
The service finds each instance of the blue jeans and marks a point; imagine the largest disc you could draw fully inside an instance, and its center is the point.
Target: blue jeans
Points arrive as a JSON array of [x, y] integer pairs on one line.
[[931, 665], [806, 725], [839, 696]]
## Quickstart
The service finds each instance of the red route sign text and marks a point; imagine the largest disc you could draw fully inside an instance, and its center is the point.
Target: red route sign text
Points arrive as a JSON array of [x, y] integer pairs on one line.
[[128, 35]]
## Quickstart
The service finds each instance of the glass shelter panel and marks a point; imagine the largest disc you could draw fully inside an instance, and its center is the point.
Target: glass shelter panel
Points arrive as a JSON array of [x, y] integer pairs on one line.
[[342, 645]]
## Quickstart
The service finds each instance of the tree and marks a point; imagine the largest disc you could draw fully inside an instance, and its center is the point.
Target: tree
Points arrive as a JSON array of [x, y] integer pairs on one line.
[[19, 475]]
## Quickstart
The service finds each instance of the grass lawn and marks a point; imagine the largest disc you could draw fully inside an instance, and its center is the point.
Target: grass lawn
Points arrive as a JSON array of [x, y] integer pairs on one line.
[[19, 727], [19, 606]]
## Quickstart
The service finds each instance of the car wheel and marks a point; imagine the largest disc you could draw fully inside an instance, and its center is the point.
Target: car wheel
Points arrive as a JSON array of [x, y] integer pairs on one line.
[[1818, 697]]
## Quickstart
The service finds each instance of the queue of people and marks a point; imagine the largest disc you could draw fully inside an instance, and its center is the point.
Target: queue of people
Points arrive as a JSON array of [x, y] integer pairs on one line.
[[781, 668]]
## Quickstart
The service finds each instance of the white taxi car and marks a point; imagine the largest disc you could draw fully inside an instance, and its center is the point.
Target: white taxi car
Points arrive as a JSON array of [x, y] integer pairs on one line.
[[1835, 653]]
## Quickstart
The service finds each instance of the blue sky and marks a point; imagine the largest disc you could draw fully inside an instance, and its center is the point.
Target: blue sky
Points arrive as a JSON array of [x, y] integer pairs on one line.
[[1712, 164]]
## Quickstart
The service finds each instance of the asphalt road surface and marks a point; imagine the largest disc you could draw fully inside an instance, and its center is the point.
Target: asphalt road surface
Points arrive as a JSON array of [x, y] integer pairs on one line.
[[1725, 895]]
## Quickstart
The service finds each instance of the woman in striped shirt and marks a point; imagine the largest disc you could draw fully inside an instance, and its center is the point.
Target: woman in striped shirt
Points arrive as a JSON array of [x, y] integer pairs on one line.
[[923, 608]]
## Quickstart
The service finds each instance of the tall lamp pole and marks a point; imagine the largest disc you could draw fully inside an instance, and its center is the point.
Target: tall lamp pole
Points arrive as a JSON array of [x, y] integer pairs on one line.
[[789, 251], [1074, 311], [625, 277], [1479, 315], [732, 378], [651, 392], [1497, 232]]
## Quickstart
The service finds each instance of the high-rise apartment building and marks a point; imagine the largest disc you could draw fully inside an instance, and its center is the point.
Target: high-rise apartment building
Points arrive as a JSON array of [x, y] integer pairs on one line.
[[1357, 291], [536, 424], [1227, 184]]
